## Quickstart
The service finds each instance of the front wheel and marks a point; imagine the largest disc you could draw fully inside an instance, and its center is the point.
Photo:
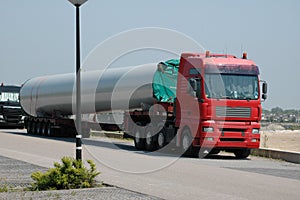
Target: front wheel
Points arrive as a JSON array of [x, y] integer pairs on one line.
[[187, 146], [151, 139], [242, 153], [161, 138]]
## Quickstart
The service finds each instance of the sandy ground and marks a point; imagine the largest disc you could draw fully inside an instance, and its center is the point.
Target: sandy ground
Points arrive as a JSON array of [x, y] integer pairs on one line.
[[281, 139]]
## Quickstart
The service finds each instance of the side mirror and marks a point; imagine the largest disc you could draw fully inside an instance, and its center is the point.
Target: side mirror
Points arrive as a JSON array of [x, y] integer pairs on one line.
[[264, 96], [264, 88]]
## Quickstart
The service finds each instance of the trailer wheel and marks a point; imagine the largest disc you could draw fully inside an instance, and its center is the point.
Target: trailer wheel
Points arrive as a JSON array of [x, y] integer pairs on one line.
[[44, 128], [139, 139], [29, 127], [186, 144], [39, 128], [33, 128], [49, 130], [242, 153], [151, 139]]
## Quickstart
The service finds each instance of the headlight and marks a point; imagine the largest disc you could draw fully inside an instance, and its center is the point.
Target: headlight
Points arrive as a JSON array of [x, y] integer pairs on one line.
[[1, 117], [208, 129], [255, 131]]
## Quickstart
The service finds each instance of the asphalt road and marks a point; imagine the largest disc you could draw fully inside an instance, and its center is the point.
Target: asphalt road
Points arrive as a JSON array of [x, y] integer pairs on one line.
[[164, 175]]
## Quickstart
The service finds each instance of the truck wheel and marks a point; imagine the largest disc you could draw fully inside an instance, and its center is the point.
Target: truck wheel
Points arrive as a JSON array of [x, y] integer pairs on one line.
[[44, 128], [151, 139], [28, 127], [139, 139], [242, 153], [33, 128], [161, 138], [186, 144], [39, 128], [49, 130]]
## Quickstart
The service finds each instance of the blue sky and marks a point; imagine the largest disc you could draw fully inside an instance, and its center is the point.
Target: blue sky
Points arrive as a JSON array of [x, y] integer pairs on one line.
[[38, 37]]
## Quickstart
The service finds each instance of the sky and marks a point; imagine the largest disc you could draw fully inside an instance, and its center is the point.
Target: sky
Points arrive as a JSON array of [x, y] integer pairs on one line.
[[38, 37]]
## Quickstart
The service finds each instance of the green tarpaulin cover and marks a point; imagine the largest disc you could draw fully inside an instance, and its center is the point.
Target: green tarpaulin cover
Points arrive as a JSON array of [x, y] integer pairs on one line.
[[165, 80]]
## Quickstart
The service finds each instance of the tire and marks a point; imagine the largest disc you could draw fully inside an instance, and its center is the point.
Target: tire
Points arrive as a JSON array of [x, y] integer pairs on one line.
[[39, 128], [33, 128], [186, 144], [44, 128], [161, 138], [49, 130], [151, 139], [242, 153], [29, 127], [139, 139]]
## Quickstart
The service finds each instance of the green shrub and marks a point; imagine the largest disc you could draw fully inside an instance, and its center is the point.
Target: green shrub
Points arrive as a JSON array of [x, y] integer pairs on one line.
[[71, 174], [4, 189]]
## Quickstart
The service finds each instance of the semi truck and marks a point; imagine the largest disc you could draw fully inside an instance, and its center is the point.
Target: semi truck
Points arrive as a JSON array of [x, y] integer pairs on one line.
[[202, 103], [11, 113]]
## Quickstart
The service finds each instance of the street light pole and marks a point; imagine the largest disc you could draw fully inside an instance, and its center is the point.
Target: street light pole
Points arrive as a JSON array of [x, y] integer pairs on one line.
[[77, 4]]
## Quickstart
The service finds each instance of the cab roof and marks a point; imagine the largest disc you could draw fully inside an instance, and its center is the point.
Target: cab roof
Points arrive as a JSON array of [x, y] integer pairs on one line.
[[218, 59]]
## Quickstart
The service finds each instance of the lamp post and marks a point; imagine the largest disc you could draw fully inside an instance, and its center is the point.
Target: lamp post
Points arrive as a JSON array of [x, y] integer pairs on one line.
[[77, 4]]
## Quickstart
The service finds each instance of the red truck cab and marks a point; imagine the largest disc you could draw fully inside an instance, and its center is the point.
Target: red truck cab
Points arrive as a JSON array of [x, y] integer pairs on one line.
[[218, 104]]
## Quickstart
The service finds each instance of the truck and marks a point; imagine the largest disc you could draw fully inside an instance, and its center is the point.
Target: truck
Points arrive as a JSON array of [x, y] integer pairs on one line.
[[11, 113], [201, 103]]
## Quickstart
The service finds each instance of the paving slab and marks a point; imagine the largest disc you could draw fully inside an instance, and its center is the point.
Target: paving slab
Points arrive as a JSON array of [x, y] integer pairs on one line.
[[15, 175]]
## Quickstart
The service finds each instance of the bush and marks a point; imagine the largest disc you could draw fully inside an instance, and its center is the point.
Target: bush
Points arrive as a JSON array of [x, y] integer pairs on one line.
[[4, 189], [71, 174]]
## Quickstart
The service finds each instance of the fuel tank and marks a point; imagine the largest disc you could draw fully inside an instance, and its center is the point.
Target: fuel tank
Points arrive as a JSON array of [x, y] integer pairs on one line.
[[103, 90]]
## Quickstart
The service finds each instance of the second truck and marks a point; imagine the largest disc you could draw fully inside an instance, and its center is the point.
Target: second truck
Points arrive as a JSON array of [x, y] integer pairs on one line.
[[11, 113], [201, 103]]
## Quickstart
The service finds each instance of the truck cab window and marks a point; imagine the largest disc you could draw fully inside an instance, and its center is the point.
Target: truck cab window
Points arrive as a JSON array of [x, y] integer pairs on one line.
[[195, 87], [231, 86], [9, 96]]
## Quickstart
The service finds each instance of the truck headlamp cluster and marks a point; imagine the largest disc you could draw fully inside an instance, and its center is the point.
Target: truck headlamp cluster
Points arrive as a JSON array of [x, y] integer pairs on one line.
[[208, 129], [255, 131]]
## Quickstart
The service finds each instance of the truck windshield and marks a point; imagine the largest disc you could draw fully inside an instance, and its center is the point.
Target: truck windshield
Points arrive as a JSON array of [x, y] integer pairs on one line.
[[9, 96], [231, 86]]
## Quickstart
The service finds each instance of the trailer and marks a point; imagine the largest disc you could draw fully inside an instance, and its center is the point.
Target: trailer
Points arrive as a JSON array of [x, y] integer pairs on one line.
[[199, 103]]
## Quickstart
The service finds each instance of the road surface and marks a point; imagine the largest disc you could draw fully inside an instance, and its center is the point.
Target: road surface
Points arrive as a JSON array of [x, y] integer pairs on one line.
[[163, 175]]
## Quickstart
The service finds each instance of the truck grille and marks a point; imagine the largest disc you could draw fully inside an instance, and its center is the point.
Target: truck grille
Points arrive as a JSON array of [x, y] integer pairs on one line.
[[222, 111], [12, 114]]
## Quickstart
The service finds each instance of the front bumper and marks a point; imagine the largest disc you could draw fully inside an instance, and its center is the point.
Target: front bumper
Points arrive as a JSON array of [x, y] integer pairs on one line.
[[4, 123], [229, 135]]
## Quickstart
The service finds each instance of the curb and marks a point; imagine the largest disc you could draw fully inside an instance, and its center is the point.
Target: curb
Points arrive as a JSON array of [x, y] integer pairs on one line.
[[288, 156]]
